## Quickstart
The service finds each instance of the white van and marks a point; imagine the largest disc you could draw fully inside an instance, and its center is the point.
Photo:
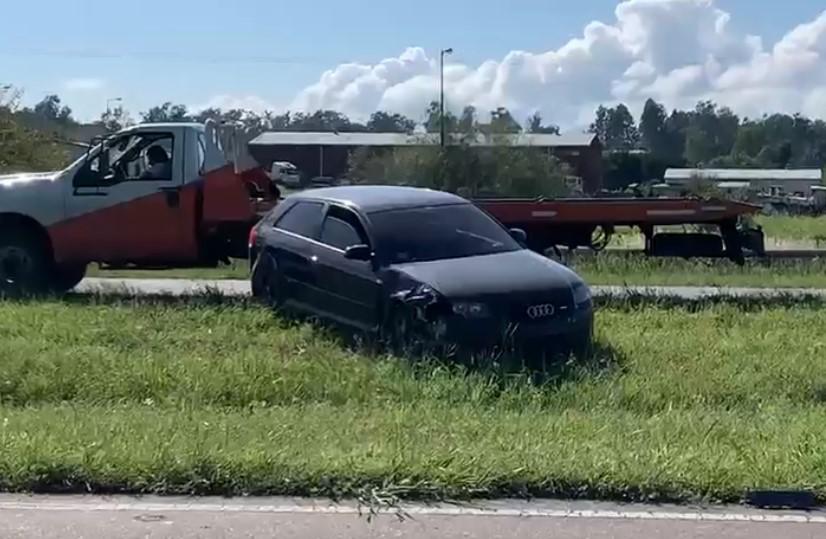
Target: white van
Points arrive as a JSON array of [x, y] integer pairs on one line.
[[285, 173]]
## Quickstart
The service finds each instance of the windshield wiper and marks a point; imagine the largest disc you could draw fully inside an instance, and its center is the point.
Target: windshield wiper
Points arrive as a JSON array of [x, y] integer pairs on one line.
[[493, 243]]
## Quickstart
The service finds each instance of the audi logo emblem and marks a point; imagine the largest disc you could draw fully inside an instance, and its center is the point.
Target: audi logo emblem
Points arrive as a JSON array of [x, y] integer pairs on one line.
[[541, 311]]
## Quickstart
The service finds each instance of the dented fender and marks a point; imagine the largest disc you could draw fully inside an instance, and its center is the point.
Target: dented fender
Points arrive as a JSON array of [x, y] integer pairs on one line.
[[420, 299]]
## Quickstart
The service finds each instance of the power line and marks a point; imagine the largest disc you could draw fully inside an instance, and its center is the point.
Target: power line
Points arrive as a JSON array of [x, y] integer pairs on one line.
[[174, 57]]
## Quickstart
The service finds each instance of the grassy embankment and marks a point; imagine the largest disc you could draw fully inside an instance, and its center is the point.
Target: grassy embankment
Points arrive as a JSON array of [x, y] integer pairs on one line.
[[167, 396]]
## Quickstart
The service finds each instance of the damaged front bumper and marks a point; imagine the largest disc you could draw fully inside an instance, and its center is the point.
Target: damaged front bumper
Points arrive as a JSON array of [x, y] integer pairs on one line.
[[578, 323], [477, 324]]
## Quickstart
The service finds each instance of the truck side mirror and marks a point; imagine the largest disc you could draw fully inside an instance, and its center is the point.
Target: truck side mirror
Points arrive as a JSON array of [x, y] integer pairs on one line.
[[103, 156]]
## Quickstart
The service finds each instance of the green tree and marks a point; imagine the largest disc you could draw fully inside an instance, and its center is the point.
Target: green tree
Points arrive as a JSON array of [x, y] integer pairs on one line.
[[115, 119], [23, 149], [50, 108], [653, 129], [167, 113], [385, 122], [751, 138], [324, 121], [432, 123], [535, 125], [212, 113], [616, 128], [468, 123], [503, 122], [463, 168], [711, 133]]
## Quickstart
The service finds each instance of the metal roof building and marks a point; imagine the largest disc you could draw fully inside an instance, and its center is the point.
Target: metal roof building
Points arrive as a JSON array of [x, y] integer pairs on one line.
[[789, 181], [743, 174], [297, 138]]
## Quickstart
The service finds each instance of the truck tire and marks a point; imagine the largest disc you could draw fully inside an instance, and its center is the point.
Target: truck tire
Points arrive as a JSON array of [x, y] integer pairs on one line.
[[65, 278], [24, 264]]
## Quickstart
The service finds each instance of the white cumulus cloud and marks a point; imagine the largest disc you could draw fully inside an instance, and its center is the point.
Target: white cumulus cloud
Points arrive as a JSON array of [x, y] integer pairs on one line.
[[84, 84], [228, 102], [676, 51]]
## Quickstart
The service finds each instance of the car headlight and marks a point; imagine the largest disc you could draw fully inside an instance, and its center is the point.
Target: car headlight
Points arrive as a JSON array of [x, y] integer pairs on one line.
[[470, 309], [582, 294]]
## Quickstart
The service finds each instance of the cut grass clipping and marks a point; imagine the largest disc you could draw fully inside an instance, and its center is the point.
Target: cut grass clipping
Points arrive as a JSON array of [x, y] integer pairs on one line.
[[168, 397]]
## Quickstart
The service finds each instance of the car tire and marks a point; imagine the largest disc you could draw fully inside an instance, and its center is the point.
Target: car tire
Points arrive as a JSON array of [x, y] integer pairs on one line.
[[582, 344], [266, 282], [24, 264], [65, 278], [400, 333]]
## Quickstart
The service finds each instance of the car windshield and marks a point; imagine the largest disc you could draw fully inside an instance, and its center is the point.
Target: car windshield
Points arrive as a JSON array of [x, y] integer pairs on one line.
[[437, 233]]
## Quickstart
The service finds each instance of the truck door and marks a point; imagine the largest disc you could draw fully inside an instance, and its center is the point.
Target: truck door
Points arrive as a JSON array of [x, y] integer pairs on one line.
[[128, 203]]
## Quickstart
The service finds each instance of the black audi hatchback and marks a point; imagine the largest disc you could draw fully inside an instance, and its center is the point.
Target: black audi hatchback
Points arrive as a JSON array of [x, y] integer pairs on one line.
[[406, 262]]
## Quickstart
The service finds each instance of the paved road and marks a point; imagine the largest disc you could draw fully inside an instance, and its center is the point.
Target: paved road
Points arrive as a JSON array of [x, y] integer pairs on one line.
[[240, 288], [66, 517]]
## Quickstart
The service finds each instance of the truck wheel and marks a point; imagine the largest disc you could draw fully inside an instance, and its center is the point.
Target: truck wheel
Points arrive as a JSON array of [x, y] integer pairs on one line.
[[65, 278], [23, 264]]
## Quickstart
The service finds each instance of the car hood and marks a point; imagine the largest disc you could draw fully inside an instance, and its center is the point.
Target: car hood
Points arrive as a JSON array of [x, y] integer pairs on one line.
[[489, 275], [11, 180]]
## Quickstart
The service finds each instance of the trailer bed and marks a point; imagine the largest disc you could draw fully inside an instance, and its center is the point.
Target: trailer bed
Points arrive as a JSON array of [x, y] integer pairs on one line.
[[617, 211], [590, 222]]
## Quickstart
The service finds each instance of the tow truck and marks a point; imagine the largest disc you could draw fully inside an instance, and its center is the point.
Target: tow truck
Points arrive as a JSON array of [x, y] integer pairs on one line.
[[181, 195], [192, 206]]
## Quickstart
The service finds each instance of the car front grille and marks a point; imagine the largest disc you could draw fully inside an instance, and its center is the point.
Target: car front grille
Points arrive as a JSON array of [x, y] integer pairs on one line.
[[540, 308]]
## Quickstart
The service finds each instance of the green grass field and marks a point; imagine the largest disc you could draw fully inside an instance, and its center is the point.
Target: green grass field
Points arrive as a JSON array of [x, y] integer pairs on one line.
[[208, 397], [787, 227], [610, 268]]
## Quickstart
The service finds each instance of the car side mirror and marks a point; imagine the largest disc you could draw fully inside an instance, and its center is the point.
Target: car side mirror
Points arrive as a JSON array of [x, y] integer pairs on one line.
[[359, 252], [519, 235]]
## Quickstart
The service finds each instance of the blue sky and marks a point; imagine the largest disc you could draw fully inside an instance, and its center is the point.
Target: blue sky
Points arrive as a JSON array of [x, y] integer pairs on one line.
[[190, 51]]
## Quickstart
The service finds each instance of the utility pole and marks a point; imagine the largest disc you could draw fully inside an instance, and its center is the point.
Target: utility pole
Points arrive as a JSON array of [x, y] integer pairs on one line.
[[442, 95]]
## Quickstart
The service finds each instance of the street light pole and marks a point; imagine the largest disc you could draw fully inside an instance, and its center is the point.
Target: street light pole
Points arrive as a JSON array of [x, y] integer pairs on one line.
[[442, 95], [112, 100]]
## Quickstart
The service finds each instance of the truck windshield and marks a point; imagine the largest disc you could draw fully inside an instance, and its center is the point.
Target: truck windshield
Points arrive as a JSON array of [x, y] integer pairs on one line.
[[437, 233]]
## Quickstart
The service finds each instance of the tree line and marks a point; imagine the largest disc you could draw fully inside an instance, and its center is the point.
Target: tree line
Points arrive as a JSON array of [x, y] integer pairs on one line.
[[708, 136]]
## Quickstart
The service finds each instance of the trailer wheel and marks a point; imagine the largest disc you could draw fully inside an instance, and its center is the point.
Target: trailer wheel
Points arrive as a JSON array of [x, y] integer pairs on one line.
[[24, 264]]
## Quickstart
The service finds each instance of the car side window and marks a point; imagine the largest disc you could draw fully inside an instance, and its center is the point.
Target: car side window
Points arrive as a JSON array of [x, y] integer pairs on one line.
[[131, 158], [342, 229], [303, 219]]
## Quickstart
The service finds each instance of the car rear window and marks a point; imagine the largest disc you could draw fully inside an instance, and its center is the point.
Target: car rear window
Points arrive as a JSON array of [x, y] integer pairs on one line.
[[304, 219]]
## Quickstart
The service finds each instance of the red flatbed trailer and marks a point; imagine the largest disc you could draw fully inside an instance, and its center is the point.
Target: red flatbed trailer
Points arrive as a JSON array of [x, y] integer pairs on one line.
[[573, 223]]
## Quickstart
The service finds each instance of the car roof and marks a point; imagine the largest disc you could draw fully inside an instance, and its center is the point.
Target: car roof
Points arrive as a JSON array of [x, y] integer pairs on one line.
[[375, 198]]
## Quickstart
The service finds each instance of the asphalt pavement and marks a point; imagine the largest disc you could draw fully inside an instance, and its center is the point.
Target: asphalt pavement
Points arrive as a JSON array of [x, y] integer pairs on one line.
[[182, 287], [66, 517]]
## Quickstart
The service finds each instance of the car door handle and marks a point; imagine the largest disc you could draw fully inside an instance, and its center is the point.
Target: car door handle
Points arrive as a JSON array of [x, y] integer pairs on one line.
[[96, 193], [314, 259]]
